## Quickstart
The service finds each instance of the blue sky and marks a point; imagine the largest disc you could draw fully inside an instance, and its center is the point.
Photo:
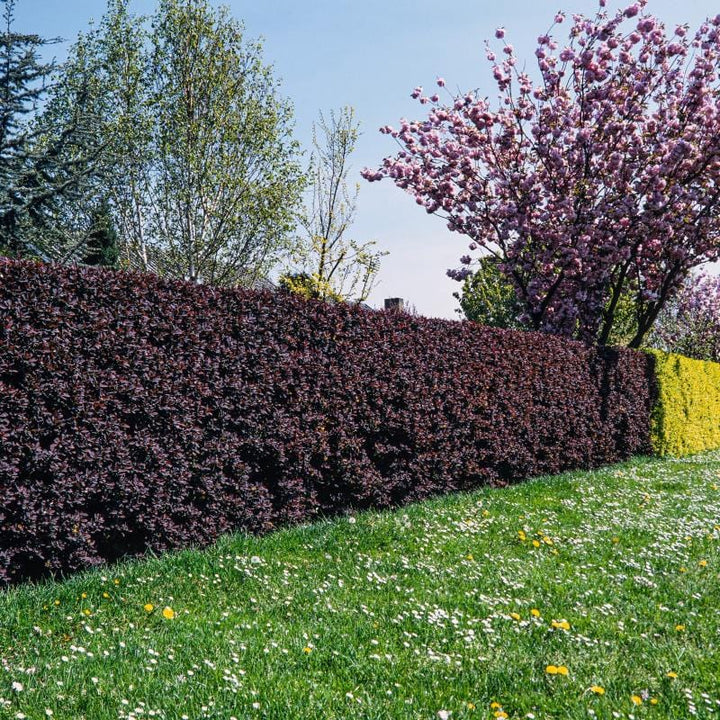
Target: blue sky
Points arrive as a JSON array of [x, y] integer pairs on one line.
[[371, 54]]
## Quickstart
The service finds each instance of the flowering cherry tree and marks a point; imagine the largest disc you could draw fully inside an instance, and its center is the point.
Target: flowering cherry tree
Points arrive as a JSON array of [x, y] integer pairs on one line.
[[598, 179], [690, 323]]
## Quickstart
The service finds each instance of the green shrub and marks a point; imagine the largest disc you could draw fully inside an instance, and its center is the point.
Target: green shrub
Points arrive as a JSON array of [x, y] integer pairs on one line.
[[686, 418]]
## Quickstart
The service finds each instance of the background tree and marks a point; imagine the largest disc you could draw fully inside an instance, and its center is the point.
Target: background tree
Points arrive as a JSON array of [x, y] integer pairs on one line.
[[328, 263], [690, 324], [488, 298], [600, 181], [227, 182], [102, 247], [199, 165], [39, 171]]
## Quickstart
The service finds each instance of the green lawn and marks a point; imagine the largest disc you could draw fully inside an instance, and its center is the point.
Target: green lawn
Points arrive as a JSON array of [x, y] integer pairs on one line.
[[471, 606]]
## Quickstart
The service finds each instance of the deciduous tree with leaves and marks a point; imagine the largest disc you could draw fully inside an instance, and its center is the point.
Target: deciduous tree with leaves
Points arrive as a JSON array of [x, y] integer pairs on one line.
[[200, 166], [328, 263], [598, 179]]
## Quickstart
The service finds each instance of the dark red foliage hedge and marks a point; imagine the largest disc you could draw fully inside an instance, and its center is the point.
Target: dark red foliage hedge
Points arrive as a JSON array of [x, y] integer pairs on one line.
[[143, 414]]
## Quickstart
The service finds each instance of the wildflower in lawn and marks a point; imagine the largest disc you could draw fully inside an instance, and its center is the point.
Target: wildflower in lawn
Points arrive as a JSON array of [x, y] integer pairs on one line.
[[679, 628], [561, 624], [597, 689], [636, 700], [515, 616], [444, 714], [672, 675], [653, 701], [535, 612], [500, 714], [556, 670], [471, 706], [522, 535], [149, 607], [536, 543], [469, 557], [703, 563], [307, 650], [168, 613], [683, 569], [495, 705], [83, 596], [106, 595], [86, 612], [616, 540], [17, 686]]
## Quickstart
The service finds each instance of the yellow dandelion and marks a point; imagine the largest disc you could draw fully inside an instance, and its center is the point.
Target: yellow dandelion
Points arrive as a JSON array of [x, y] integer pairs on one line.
[[485, 513], [469, 557], [636, 700], [562, 670], [522, 535], [87, 612], [471, 706], [515, 616], [671, 675], [149, 607], [683, 569], [83, 596], [500, 714], [548, 540], [536, 543], [307, 650], [116, 581], [561, 624], [616, 540], [653, 701], [106, 595], [168, 613], [495, 705], [57, 602], [679, 628], [703, 563], [551, 670], [535, 612], [597, 689]]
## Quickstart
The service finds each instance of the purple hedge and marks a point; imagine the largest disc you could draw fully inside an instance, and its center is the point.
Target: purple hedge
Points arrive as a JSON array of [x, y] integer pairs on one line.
[[138, 414]]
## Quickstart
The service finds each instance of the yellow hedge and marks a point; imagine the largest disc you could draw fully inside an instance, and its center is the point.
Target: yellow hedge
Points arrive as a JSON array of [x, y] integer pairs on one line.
[[686, 417]]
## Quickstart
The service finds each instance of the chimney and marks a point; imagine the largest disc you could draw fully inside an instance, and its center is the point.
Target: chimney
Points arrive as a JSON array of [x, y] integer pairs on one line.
[[394, 304]]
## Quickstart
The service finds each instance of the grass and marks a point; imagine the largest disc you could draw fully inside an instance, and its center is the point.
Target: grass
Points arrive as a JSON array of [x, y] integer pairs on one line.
[[456, 607]]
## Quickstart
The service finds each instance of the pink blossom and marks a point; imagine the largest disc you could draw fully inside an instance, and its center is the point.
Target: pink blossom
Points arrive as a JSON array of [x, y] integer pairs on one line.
[[500, 33], [598, 179]]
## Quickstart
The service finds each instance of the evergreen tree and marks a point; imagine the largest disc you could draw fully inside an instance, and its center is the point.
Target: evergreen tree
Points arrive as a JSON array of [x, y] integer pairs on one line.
[[44, 158], [23, 80], [102, 244]]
